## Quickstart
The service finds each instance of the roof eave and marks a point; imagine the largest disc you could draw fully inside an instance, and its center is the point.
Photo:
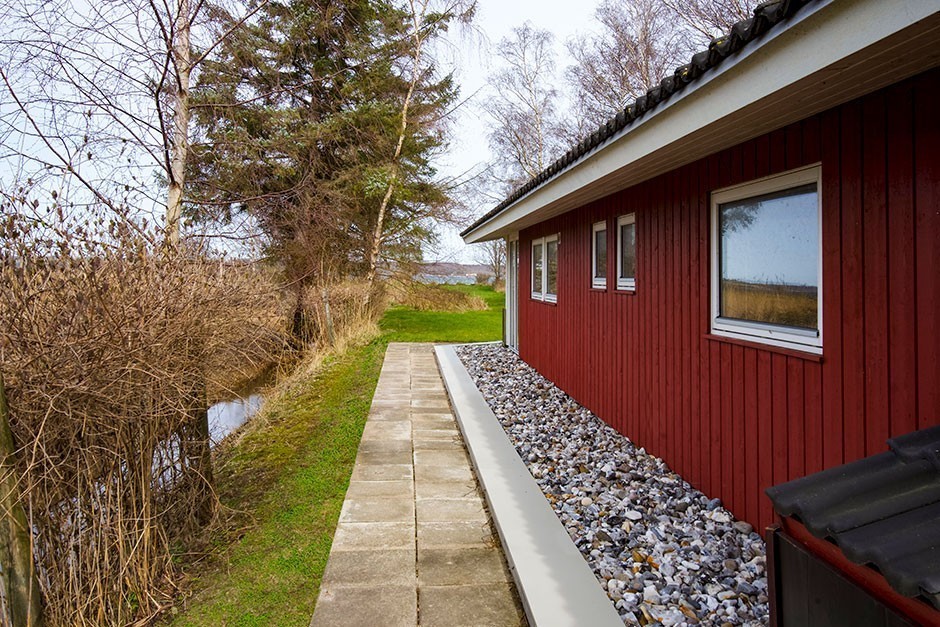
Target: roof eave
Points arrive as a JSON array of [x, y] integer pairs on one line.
[[740, 99]]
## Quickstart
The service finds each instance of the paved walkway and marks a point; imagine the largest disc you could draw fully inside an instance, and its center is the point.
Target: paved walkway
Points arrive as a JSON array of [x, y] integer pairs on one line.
[[414, 544]]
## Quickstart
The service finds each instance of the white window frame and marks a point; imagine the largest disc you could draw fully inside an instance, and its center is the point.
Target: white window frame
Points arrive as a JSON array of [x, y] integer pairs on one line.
[[597, 282], [544, 295], [774, 335], [625, 283]]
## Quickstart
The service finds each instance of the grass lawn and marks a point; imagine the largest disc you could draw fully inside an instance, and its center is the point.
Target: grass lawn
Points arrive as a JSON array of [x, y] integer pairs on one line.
[[402, 324], [289, 476]]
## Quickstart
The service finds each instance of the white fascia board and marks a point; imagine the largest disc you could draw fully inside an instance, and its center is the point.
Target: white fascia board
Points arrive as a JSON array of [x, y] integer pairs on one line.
[[809, 45]]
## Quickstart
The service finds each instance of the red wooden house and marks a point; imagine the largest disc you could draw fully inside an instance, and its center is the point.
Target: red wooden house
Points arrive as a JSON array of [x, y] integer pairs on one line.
[[741, 272]]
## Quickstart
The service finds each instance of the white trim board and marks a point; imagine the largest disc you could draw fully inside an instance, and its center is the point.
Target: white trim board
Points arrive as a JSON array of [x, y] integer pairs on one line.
[[830, 53]]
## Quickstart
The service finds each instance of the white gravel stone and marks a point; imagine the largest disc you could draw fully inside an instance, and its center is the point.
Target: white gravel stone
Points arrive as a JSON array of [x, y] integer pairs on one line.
[[673, 552]]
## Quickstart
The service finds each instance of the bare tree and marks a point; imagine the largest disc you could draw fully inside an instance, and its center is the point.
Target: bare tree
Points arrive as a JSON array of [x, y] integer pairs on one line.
[[706, 19], [641, 42], [492, 254], [99, 95], [638, 45], [428, 21], [527, 132]]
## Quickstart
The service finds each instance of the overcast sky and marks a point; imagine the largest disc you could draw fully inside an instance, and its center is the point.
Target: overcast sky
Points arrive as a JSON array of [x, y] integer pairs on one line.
[[471, 56]]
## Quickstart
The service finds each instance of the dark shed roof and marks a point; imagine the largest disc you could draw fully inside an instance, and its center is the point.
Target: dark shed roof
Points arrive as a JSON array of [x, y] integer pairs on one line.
[[766, 15], [883, 511]]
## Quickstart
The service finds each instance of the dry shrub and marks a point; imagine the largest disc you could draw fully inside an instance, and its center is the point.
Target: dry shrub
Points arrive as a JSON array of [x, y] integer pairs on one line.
[[107, 346], [340, 310], [430, 297]]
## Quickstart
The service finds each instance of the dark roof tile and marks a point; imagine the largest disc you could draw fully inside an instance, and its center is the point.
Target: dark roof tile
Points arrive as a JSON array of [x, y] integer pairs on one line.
[[766, 15], [883, 510]]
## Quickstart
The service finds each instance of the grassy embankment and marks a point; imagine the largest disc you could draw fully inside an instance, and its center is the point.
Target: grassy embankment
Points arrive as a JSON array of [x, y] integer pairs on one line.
[[289, 471]]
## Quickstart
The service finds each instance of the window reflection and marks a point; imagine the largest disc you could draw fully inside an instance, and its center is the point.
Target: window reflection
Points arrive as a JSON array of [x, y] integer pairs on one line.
[[769, 258], [627, 251], [537, 268], [600, 254], [551, 263]]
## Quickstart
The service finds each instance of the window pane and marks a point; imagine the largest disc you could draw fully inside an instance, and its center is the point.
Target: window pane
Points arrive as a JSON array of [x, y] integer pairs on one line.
[[627, 251], [600, 254], [537, 268], [769, 258], [551, 266]]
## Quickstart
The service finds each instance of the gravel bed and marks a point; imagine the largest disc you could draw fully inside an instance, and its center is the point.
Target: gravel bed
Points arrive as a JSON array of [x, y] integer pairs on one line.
[[666, 553]]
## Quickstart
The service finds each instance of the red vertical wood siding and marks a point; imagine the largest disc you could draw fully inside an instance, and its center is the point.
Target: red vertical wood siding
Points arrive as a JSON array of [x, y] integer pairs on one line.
[[735, 419]]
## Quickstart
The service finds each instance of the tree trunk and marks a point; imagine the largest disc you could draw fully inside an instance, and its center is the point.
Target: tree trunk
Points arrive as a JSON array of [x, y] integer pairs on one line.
[[199, 453], [17, 572], [379, 231], [179, 141]]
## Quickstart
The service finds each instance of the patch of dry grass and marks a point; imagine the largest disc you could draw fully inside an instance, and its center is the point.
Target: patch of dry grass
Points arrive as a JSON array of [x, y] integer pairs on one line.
[[430, 297]]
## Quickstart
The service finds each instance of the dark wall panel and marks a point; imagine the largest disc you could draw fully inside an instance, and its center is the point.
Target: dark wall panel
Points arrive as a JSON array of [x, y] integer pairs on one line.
[[734, 419]]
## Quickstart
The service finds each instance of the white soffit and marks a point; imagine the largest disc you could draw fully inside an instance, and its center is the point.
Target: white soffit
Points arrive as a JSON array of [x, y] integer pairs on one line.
[[832, 53]]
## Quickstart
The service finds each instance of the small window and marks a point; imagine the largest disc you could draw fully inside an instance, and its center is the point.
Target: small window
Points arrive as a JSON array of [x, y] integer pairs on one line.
[[551, 267], [766, 261], [537, 264], [626, 252], [545, 268], [599, 256]]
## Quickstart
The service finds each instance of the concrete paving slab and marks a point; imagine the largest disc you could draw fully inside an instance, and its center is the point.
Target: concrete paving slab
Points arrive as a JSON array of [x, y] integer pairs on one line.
[[433, 421], [446, 490], [439, 445], [443, 473], [456, 534], [435, 435], [372, 458], [370, 567], [444, 510], [387, 472], [388, 430], [390, 606], [365, 489], [488, 605], [385, 446], [459, 566], [373, 535], [377, 509], [441, 458]]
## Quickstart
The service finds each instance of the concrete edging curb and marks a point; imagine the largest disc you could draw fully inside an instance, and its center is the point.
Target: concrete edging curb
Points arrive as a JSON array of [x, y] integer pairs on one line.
[[556, 585]]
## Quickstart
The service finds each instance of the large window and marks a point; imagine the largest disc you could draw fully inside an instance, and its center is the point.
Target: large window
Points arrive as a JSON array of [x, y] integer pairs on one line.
[[626, 252], [545, 268], [599, 255], [766, 263]]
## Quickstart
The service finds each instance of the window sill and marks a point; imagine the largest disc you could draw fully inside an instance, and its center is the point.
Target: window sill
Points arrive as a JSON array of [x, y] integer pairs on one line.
[[625, 291], [550, 303], [599, 289], [770, 348]]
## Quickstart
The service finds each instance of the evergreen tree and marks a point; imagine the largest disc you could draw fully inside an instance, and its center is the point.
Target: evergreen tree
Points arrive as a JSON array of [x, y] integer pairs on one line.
[[320, 120]]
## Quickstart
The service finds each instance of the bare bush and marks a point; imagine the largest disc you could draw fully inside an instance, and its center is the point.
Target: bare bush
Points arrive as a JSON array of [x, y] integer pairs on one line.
[[338, 311], [107, 346]]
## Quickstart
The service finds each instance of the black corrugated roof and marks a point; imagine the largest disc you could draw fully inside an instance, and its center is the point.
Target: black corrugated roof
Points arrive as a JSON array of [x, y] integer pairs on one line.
[[766, 15], [883, 511]]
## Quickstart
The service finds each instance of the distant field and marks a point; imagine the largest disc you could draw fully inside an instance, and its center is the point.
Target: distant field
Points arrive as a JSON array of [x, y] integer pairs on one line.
[[789, 305]]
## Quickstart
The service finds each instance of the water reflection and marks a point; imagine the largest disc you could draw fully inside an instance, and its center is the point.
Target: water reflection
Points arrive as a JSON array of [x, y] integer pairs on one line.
[[226, 416]]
